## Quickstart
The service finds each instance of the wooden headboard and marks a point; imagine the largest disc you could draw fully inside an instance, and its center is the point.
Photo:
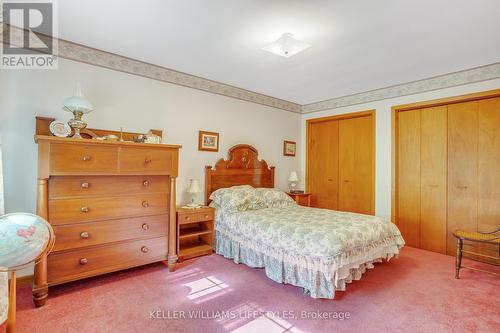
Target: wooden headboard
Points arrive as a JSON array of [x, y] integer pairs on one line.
[[241, 168]]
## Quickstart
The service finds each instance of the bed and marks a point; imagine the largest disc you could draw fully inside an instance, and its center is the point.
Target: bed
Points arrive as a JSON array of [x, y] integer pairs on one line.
[[317, 249]]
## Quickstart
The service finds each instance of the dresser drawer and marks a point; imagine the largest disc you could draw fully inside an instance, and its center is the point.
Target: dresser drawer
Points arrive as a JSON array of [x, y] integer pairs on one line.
[[78, 235], [72, 158], [76, 264], [63, 211], [145, 161], [195, 217], [78, 186]]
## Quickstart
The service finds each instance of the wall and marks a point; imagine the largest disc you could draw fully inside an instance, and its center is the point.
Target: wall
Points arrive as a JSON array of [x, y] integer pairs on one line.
[[137, 104], [1, 182], [383, 133]]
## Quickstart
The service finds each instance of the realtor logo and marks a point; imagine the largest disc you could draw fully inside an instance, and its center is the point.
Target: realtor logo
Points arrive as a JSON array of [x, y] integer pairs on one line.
[[28, 35]]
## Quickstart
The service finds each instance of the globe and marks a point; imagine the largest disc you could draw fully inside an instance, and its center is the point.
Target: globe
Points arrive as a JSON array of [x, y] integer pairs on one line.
[[23, 238]]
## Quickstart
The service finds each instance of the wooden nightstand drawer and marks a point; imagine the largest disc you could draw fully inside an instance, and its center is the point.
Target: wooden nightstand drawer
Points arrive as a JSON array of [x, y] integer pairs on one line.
[[195, 217], [79, 235], [71, 158], [143, 160], [78, 186], [76, 264], [205, 216], [63, 211]]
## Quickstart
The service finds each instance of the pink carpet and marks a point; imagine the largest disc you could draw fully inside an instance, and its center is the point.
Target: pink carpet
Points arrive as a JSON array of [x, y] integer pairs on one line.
[[415, 293]]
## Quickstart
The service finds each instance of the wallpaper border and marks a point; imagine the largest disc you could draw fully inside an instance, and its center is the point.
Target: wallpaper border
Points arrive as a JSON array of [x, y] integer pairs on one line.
[[478, 74], [88, 55], [92, 56]]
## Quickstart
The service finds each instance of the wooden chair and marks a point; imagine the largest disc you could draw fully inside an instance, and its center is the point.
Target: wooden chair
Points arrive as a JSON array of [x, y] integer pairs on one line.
[[492, 237]]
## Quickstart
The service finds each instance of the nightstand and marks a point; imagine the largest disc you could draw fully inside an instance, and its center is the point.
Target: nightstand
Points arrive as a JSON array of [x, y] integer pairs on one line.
[[303, 199], [195, 232]]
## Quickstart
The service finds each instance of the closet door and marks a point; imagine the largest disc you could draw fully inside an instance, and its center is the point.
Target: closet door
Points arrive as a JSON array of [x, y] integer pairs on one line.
[[356, 165], [323, 164], [462, 169], [489, 168], [408, 186], [433, 173]]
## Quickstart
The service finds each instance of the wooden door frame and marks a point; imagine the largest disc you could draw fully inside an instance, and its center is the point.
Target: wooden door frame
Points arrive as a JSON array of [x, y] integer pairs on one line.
[[420, 105], [368, 113]]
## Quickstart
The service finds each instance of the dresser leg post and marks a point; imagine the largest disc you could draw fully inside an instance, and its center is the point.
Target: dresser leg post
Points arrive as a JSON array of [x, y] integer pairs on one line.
[[40, 285], [172, 229]]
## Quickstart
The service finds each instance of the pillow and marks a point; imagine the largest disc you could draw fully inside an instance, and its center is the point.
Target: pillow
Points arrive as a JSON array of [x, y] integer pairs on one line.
[[234, 199], [272, 198]]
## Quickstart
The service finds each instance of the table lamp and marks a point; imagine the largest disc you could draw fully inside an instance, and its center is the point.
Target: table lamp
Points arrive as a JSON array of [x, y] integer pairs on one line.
[[78, 105], [293, 180], [193, 189]]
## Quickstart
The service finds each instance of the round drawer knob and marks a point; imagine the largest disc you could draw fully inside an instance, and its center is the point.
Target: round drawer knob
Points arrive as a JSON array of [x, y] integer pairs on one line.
[[145, 204], [145, 183], [85, 185], [84, 235], [86, 158], [147, 160], [144, 249], [83, 261], [145, 226], [188, 218], [84, 209], [206, 216]]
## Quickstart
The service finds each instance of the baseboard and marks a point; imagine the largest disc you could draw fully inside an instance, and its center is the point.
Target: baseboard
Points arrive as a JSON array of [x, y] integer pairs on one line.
[[24, 280]]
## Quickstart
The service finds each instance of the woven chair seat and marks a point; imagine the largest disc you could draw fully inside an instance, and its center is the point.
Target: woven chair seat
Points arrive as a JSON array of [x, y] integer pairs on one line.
[[476, 236]]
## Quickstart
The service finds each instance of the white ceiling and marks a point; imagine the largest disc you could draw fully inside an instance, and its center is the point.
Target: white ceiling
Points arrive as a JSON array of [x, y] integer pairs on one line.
[[356, 45]]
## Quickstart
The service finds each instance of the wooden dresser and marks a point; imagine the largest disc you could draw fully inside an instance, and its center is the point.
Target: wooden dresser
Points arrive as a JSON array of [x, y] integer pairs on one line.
[[111, 204]]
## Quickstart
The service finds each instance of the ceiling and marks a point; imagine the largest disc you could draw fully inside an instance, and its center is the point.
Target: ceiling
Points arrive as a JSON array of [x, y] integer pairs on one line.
[[356, 45]]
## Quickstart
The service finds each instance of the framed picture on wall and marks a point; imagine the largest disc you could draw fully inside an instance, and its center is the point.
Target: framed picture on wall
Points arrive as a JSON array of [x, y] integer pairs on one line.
[[289, 148], [208, 141]]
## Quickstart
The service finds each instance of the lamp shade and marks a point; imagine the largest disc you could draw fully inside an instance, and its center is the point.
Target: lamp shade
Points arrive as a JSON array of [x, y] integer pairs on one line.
[[194, 186], [293, 177], [78, 104]]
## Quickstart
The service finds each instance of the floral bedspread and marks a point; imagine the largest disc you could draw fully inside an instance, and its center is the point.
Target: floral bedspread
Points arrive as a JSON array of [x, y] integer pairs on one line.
[[317, 249], [310, 231]]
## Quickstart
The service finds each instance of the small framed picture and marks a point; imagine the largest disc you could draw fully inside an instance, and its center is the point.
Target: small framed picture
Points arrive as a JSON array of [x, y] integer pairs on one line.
[[289, 148], [208, 141]]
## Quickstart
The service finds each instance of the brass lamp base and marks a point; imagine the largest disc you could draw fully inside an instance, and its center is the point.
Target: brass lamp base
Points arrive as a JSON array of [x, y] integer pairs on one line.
[[77, 124]]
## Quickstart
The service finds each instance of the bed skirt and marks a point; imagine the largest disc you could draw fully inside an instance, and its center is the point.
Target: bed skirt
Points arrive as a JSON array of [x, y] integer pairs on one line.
[[320, 278]]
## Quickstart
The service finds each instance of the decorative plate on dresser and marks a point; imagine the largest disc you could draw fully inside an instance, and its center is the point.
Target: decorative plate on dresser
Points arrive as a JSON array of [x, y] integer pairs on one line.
[[111, 204]]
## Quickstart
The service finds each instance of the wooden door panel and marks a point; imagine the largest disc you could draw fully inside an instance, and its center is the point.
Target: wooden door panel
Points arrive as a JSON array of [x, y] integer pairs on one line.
[[356, 165], [489, 168], [408, 186], [323, 164], [462, 169], [433, 150], [347, 138]]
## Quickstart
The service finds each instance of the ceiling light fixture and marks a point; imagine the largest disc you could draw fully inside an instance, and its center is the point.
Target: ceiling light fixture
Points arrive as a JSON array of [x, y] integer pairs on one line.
[[286, 46]]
